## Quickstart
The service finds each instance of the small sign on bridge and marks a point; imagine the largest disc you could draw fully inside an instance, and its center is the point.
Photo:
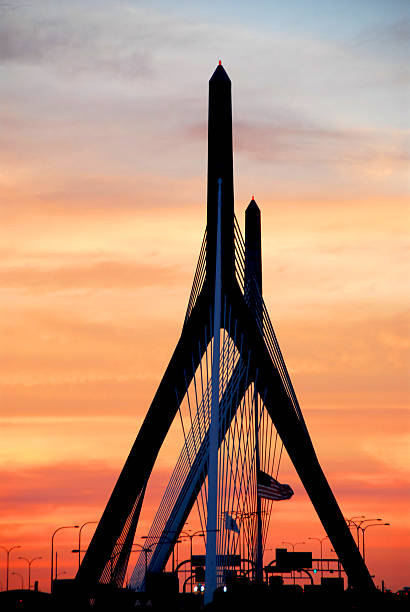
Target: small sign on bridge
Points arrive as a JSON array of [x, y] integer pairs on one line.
[[290, 561]]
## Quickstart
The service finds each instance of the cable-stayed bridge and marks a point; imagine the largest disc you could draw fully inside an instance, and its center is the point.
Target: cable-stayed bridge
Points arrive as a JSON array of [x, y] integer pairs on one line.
[[228, 384]]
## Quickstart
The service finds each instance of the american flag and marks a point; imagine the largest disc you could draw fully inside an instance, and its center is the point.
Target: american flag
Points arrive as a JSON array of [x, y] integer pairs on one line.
[[269, 488], [231, 524]]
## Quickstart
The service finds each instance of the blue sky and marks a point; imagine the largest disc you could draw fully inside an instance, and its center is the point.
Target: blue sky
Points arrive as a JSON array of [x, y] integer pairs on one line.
[[331, 76]]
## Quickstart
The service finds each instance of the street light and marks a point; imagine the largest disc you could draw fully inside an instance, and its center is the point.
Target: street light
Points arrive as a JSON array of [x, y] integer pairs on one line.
[[293, 550], [293, 545], [29, 561], [8, 551], [52, 550], [146, 550], [191, 537], [339, 569], [21, 578], [359, 524], [79, 539], [165, 541], [367, 527], [320, 540], [351, 522]]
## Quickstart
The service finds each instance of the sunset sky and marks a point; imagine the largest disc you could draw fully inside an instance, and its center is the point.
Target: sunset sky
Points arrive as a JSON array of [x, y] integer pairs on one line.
[[103, 113]]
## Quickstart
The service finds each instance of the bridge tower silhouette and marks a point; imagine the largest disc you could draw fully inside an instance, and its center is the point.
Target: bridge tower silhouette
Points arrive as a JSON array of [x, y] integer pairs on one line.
[[228, 367]]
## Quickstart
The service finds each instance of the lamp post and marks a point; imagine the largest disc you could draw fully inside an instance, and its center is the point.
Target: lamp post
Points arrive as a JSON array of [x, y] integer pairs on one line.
[[161, 540], [293, 545], [29, 561], [351, 521], [320, 540], [146, 550], [191, 536], [367, 527], [52, 550], [359, 524], [339, 569], [8, 551], [293, 550], [79, 539], [355, 517], [21, 578], [56, 565]]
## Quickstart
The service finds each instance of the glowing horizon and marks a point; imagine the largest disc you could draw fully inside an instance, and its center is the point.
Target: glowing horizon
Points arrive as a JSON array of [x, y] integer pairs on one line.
[[103, 191]]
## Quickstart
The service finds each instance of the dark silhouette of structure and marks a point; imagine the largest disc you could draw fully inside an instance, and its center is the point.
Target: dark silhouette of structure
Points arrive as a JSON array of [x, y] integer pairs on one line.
[[240, 275]]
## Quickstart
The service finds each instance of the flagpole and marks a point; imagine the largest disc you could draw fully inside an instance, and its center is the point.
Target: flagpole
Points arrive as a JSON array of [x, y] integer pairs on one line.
[[259, 551], [211, 526]]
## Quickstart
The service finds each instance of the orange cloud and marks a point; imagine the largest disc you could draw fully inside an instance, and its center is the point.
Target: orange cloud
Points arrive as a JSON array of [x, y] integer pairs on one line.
[[99, 275]]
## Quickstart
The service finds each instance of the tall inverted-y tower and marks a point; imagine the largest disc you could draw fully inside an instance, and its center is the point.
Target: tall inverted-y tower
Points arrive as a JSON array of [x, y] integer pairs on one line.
[[228, 358]]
